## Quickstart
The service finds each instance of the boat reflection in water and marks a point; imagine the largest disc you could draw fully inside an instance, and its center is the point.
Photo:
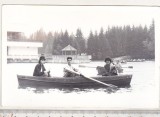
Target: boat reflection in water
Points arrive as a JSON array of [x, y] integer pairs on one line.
[[41, 90]]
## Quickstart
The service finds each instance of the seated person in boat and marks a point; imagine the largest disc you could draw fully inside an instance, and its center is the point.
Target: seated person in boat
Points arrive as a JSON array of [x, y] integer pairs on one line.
[[40, 69], [118, 66], [69, 70], [109, 68]]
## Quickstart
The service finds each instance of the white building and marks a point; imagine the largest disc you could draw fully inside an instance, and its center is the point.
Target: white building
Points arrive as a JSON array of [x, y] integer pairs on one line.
[[22, 51]]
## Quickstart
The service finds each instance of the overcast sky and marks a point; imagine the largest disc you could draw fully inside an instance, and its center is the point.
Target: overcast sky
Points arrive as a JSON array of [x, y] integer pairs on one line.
[[29, 19]]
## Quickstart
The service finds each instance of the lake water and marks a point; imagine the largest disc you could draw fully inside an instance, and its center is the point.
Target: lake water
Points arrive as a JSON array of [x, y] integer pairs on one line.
[[143, 93]]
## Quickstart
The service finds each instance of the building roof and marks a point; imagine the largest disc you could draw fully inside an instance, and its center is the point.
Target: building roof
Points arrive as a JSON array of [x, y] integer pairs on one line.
[[24, 44], [69, 48]]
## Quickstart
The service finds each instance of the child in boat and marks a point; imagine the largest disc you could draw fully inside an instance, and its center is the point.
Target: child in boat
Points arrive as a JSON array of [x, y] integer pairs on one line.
[[40, 69], [109, 68], [69, 70], [118, 66]]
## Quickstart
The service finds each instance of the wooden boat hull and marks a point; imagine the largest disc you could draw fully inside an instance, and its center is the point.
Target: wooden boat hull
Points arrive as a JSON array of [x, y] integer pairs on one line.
[[76, 82]]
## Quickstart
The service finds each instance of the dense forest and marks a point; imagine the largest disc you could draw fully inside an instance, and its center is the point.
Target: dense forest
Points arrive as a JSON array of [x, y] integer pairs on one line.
[[137, 42]]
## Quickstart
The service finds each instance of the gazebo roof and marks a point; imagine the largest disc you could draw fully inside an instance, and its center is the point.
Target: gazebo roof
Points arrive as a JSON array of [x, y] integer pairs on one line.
[[69, 48]]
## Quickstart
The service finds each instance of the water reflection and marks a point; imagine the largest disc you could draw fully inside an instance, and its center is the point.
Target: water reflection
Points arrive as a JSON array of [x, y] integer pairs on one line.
[[108, 90]]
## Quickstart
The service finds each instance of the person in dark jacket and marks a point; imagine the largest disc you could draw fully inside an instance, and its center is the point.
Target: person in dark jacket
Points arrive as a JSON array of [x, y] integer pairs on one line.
[[40, 69], [109, 67]]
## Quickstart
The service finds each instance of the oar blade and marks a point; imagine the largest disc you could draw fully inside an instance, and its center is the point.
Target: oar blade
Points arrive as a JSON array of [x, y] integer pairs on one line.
[[130, 67], [82, 66], [86, 66]]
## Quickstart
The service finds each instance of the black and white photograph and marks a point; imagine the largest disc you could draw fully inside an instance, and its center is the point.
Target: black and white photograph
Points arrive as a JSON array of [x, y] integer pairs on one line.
[[79, 57]]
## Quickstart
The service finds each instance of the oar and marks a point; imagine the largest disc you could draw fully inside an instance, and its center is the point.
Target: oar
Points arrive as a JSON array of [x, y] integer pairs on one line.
[[96, 67], [108, 85], [128, 67], [86, 66]]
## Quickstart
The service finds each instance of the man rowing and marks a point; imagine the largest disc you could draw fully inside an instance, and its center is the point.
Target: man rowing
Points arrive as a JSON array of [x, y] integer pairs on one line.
[[69, 70]]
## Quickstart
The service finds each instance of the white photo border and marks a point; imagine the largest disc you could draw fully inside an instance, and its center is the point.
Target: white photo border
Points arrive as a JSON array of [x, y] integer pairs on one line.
[[83, 2]]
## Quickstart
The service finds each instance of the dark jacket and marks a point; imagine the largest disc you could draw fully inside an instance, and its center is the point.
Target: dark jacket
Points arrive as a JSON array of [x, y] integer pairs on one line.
[[109, 70], [37, 70]]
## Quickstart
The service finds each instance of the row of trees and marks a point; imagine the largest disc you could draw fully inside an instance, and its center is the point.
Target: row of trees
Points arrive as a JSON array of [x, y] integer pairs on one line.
[[137, 42], [53, 43]]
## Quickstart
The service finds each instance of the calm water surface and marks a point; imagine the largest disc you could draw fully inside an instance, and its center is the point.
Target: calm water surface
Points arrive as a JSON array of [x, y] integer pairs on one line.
[[143, 92]]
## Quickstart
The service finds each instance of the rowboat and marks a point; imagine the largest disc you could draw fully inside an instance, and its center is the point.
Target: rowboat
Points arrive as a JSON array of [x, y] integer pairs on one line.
[[76, 82]]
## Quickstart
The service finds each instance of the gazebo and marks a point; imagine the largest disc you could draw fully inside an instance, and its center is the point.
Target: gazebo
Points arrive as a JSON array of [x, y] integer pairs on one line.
[[69, 50]]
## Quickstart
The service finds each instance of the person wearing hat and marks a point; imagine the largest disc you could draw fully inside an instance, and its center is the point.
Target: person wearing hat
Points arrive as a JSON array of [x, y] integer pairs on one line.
[[40, 69], [109, 68], [69, 70]]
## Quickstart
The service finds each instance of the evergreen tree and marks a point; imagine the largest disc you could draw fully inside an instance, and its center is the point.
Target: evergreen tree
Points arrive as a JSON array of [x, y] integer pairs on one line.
[[149, 43], [40, 35], [65, 39], [104, 45], [80, 42], [47, 45], [90, 44], [57, 43]]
